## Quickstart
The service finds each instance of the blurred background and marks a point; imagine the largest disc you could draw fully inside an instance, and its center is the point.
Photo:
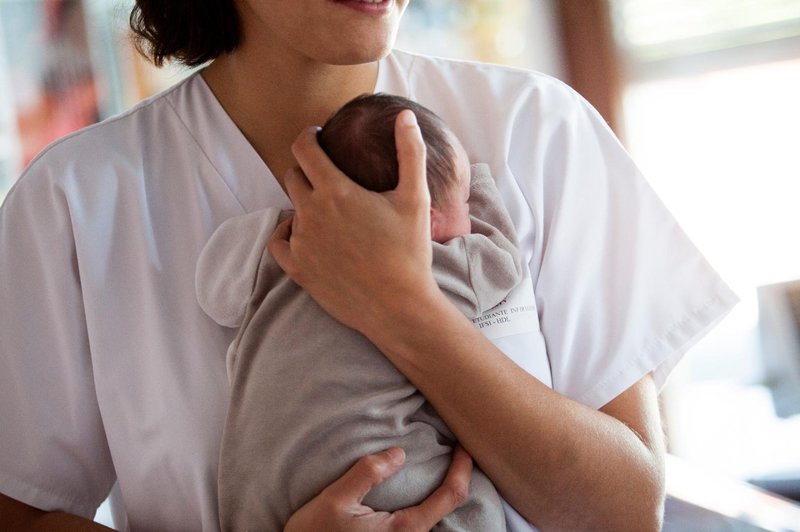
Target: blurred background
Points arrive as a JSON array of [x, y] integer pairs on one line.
[[705, 94]]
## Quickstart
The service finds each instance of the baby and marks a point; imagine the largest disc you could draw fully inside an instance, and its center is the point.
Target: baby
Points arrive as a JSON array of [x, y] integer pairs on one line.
[[310, 396]]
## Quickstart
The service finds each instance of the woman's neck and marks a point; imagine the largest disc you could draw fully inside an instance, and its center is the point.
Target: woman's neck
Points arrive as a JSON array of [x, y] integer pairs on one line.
[[272, 101]]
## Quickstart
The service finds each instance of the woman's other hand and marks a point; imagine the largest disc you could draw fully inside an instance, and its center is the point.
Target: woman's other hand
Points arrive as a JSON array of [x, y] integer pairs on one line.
[[358, 253], [338, 507]]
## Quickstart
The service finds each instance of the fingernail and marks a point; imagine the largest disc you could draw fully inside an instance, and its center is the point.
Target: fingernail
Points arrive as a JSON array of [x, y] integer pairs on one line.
[[408, 118], [396, 455]]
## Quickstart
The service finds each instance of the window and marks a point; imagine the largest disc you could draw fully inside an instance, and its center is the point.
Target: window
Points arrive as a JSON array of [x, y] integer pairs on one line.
[[712, 115]]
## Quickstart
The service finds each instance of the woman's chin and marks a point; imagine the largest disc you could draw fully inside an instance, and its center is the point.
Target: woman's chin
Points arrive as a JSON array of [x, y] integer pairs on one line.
[[356, 56]]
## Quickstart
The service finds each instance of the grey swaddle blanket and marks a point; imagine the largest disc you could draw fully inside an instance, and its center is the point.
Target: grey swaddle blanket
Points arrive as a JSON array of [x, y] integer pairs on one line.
[[310, 396]]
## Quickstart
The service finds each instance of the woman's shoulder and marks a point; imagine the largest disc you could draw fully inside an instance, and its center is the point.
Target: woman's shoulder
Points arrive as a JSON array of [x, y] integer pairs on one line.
[[478, 78], [497, 111], [116, 142], [472, 96]]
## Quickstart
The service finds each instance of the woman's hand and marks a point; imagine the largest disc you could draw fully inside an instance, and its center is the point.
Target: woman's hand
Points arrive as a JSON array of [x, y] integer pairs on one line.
[[358, 253], [338, 507]]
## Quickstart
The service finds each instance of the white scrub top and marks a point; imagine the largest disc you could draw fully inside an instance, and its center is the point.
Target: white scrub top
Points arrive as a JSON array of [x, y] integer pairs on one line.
[[110, 370]]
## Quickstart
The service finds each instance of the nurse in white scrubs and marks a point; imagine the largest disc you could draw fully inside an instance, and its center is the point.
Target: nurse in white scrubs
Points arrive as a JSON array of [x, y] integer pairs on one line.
[[112, 378]]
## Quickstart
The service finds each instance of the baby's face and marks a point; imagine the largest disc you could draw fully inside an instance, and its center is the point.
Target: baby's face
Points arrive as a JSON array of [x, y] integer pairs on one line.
[[451, 218]]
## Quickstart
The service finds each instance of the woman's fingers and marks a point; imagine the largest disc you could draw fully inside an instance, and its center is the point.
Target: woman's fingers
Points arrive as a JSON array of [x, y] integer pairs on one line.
[[366, 473], [297, 185], [444, 500], [278, 245], [411, 156], [338, 507]]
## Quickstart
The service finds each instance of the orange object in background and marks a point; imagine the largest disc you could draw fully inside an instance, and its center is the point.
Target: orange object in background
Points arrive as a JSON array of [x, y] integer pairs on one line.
[[56, 94], [57, 114]]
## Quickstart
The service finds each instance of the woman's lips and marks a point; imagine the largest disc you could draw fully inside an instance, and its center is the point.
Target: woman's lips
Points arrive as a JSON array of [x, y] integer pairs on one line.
[[368, 7]]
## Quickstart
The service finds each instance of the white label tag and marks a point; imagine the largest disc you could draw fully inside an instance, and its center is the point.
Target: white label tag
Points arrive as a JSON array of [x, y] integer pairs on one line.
[[514, 315]]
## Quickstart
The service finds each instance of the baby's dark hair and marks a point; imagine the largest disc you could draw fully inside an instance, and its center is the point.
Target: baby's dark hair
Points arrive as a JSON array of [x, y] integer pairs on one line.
[[359, 139]]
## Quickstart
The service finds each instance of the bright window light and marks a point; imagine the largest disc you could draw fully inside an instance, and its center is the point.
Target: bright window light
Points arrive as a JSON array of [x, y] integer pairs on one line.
[[722, 151]]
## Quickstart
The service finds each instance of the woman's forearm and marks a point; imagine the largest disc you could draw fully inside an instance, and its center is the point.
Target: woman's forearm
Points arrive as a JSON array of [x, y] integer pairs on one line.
[[561, 464]]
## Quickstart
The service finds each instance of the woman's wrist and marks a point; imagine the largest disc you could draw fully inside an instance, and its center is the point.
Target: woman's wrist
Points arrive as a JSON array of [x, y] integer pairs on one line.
[[399, 312], [410, 325]]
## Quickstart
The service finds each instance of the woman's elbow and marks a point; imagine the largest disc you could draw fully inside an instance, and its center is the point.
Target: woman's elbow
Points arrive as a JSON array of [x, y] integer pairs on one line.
[[648, 496]]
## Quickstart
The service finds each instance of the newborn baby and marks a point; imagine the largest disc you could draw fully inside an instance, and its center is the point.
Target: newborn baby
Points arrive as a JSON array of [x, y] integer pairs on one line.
[[310, 396]]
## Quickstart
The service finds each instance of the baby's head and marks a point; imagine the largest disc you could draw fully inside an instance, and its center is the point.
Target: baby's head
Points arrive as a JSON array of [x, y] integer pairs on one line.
[[359, 139]]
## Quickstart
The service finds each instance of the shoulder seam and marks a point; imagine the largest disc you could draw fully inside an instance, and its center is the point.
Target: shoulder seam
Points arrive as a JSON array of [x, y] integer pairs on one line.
[[144, 104]]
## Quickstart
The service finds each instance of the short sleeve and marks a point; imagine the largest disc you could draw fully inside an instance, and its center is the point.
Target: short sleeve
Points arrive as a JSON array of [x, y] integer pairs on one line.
[[53, 449], [621, 290], [226, 270]]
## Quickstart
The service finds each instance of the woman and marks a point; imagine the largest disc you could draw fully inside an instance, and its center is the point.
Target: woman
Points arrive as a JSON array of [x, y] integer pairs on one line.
[[111, 372]]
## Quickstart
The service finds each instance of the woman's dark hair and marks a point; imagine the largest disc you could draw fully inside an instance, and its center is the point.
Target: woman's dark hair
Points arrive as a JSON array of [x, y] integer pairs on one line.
[[189, 31], [359, 140]]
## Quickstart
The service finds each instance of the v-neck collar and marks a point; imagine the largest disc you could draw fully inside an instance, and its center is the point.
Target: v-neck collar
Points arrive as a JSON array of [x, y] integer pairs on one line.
[[226, 148], [229, 151]]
